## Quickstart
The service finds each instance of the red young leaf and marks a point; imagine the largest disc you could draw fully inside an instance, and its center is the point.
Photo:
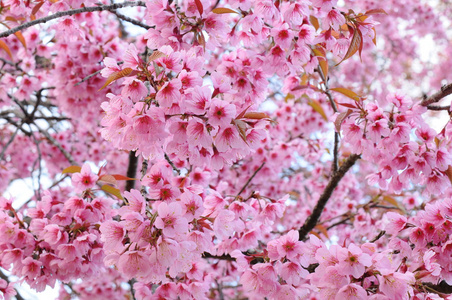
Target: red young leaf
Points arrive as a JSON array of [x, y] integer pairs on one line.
[[108, 179], [347, 105], [376, 11], [340, 118], [116, 76], [256, 115], [199, 7], [37, 7], [355, 45], [121, 177]]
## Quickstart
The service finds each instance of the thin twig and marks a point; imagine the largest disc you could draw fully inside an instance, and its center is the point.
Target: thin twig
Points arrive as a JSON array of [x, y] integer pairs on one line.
[[132, 21], [39, 162], [9, 142], [327, 92], [251, 178], [313, 219], [220, 291], [56, 144], [70, 13], [172, 164], [445, 91], [88, 77]]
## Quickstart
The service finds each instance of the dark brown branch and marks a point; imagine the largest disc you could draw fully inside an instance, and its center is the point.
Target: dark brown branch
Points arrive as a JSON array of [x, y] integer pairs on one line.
[[251, 178], [441, 288], [445, 91], [312, 220], [70, 13], [434, 107], [132, 170], [221, 257]]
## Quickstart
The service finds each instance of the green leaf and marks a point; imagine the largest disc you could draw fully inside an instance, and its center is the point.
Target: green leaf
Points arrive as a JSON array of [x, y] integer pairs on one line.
[[72, 169], [224, 10], [346, 92], [111, 190], [318, 108]]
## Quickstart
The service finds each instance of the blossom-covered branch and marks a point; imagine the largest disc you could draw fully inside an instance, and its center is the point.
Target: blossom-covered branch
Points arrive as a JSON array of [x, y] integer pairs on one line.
[[71, 12]]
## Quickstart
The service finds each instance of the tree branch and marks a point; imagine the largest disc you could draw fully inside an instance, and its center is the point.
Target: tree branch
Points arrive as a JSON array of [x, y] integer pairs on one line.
[[445, 91], [251, 178], [70, 13], [312, 220], [441, 288], [434, 107]]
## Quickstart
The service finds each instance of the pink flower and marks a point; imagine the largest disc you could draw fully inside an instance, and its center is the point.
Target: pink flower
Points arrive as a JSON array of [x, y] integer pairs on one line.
[[395, 222], [170, 219], [197, 134], [221, 113], [85, 179], [113, 234], [228, 137], [134, 264], [169, 93], [225, 224], [430, 264], [134, 89], [351, 291], [397, 285], [353, 261]]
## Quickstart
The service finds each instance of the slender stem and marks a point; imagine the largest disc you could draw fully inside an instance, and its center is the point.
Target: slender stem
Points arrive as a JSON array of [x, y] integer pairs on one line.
[[251, 178], [327, 92], [9, 142], [70, 13], [172, 164], [56, 144], [313, 219], [132, 21]]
